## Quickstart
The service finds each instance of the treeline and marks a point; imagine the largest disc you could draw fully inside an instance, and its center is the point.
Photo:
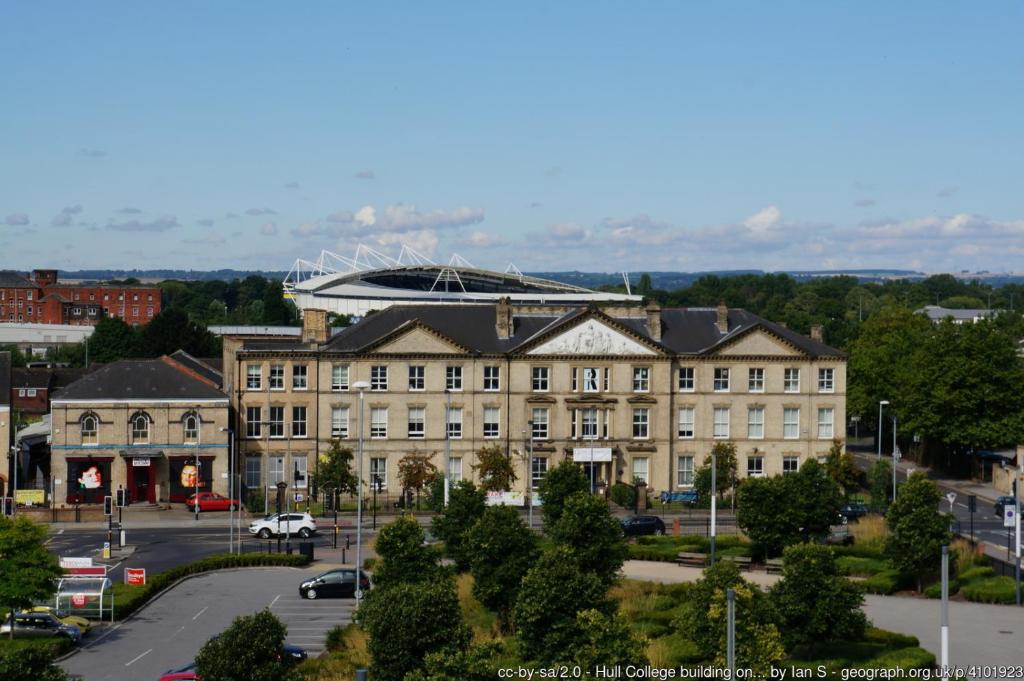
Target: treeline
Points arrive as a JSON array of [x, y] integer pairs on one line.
[[253, 300]]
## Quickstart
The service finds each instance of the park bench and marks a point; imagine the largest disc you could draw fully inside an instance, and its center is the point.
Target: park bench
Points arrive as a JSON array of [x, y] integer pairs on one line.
[[743, 562], [692, 559], [773, 566]]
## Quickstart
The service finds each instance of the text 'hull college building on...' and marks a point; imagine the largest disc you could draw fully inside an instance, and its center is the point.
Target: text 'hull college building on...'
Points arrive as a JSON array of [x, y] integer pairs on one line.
[[637, 393]]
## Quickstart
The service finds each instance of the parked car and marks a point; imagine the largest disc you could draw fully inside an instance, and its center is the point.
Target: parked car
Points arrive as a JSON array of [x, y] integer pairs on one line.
[[333, 584], [290, 655], [636, 525], [853, 510], [82, 623], [39, 625], [1002, 503], [211, 501], [301, 524]]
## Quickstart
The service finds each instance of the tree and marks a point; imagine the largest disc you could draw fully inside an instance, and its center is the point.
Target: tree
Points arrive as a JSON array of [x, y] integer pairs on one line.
[[408, 621], [726, 475], [815, 603], [402, 555], [415, 472], [173, 330], [28, 572], [917, 529], [644, 285], [553, 592], [248, 650], [593, 534], [335, 470], [841, 467], [112, 339], [560, 483], [606, 640], [501, 550], [29, 664], [477, 663], [495, 469], [880, 484], [466, 505], [277, 311]]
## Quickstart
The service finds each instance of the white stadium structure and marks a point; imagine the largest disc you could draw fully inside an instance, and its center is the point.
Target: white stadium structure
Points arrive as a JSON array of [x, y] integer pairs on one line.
[[372, 280]]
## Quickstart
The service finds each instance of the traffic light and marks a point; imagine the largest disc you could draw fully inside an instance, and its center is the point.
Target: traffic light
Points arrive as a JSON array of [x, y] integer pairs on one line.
[[972, 503], [108, 506], [121, 500]]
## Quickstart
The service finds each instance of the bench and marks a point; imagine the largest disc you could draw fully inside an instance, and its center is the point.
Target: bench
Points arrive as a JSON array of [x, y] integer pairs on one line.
[[773, 566], [742, 561], [691, 559]]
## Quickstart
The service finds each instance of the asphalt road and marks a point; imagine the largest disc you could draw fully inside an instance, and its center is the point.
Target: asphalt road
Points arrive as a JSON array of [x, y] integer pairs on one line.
[[171, 630]]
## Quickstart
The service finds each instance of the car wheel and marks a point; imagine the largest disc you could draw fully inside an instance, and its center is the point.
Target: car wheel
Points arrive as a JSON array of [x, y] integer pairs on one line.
[[304, 533], [660, 531], [311, 594], [233, 507], [264, 533]]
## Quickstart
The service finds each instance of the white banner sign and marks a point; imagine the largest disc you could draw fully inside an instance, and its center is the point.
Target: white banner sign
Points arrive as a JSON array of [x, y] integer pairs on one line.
[[73, 562], [140, 463], [511, 499], [588, 454]]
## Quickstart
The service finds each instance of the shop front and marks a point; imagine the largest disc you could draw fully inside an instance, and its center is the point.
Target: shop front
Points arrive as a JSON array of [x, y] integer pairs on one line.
[[188, 475], [88, 479], [141, 475]]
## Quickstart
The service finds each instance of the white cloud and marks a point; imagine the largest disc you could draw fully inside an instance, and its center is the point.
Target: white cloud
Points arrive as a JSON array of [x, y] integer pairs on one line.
[[161, 224], [763, 220], [66, 215], [269, 229], [17, 219], [480, 239]]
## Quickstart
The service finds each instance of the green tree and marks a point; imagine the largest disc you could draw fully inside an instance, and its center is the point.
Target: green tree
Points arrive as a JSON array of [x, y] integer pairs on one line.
[[466, 505], [111, 340], [29, 664], [18, 358], [560, 483], [841, 467], [248, 650], [606, 640], [553, 592], [173, 330], [416, 472], [880, 484], [408, 621], [276, 310], [815, 603], [917, 529], [726, 473], [593, 534], [644, 285], [495, 469], [479, 662], [28, 572], [501, 550], [335, 470], [402, 555]]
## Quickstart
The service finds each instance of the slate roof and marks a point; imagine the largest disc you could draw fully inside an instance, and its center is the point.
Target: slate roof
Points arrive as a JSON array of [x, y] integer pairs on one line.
[[198, 366], [5, 380], [12, 279], [38, 378], [147, 379]]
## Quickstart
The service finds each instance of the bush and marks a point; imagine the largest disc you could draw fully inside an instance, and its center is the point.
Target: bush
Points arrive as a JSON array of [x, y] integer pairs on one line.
[[903, 658], [860, 567], [402, 555], [890, 638], [934, 590], [593, 534], [990, 590], [885, 582], [254, 500], [28, 663], [248, 650], [977, 572], [466, 504], [622, 494]]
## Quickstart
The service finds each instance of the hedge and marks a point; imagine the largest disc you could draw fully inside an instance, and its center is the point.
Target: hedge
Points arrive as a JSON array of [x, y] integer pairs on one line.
[[54, 645], [885, 582], [903, 658], [990, 590]]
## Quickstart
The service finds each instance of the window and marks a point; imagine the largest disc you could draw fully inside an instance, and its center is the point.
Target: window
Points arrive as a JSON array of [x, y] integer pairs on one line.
[[140, 429], [686, 382], [191, 426], [575, 379], [378, 423], [590, 378], [276, 422], [299, 472], [417, 422], [135, 310], [252, 472], [276, 379], [791, 423], [417, 380], [755, 380], [455, 469], [253, 427], [589, 424], [300, 379], [686, 422], [492, 420], [378, 378], [538, 469], [721, 379], [339, 377], [539, 431], [790, 464], [605, 423], [755, 423], [641, 379], [721, 423], [755, 466], [298, 422], [791, 381], [339, 422], [641, 423], [253, 377], [825, 420], [453, 378], [640, 470], [379, 471], [684, 471], [275, 470], [455, 423], [492, 378], [540, 379], [826, 380], [28, 295], [89, 429]]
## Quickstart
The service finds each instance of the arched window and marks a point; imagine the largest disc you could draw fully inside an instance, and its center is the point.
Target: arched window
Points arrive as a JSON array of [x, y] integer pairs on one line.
[[90, 428], [191, 425], [140, 428]]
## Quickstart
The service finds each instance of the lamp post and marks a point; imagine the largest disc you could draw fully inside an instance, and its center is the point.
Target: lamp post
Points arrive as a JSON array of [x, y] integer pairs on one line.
[[529, 468], [14, 488], [944, 612], [196, 481], [895, 457], [714, 504], [881, 403], [447, 444], [231, 489], [361, 386]]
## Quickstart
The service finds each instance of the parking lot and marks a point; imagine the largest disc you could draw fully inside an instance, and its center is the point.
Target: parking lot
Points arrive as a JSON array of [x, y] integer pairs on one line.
[[171, 630]]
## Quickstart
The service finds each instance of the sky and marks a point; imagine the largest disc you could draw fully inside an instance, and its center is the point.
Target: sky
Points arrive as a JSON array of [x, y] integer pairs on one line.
[[574, 135]]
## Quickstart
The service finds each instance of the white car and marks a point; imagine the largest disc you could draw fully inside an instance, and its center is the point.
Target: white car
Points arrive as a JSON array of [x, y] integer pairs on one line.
[[301, 524]]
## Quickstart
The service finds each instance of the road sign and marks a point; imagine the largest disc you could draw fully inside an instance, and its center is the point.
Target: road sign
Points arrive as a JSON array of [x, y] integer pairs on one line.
[[951, 497], [135, 576], [897, 454], [1009, 517], [106, 547]]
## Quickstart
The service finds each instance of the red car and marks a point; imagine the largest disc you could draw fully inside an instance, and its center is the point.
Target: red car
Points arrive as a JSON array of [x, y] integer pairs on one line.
[[211, 501]]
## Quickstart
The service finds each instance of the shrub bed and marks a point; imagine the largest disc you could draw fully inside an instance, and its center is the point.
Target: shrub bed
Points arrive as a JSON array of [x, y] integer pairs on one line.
[[885, 582], [55, 646], [990, 590], [859, 566]]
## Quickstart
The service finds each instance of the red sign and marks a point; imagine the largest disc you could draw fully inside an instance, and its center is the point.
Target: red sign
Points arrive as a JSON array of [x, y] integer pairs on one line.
[[97, 571], [78, 600], [135, 576]]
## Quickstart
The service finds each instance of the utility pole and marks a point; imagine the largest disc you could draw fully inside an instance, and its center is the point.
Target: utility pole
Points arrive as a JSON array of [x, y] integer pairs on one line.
[[945, 610], [447, 444], [1016, 525], [361, 386], [714, 504], [881, 403], [730, 645]]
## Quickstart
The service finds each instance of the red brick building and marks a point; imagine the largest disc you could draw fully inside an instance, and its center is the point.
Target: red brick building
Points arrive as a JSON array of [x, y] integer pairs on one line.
[[43, 299]]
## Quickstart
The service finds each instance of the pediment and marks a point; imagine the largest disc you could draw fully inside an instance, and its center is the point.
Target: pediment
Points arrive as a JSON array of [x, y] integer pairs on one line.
[[592, 337], [418, 340], [759, 343]]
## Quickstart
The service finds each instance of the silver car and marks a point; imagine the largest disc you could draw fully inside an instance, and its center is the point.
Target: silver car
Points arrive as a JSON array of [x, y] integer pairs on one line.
[[39, 625]]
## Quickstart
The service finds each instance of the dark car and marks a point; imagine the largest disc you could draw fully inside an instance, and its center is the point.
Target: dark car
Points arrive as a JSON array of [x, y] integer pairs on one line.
[[1002, 503], [636, 525], [333, 584], [39, 625], [853, 510]]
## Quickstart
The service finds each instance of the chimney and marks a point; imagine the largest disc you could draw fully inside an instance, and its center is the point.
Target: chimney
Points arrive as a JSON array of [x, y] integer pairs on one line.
[[314, 326], [722, 318], [503, 318], [818, 333], [654, 320]]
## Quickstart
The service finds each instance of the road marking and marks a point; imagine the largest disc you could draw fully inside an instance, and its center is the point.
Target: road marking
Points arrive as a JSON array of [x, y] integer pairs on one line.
[[200, 613], [128, 664], [275, 600], [180, 629]]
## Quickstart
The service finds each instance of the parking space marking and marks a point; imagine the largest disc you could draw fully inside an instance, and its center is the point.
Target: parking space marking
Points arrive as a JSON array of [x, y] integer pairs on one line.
[[275, 600], [134, 660], [200, 613]]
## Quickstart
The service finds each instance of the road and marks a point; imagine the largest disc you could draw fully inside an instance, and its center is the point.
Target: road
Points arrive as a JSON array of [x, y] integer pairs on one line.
[[171, 630]]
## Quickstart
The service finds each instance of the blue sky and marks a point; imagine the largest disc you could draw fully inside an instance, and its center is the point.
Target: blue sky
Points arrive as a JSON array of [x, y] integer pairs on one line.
[[590, 135]]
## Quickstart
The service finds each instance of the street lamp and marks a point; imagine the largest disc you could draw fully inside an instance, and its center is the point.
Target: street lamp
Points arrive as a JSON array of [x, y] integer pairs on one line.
[[361, 386], [895, 457], [881, 403], [447, 444], [529, 472], [714, 504], [231, 489]]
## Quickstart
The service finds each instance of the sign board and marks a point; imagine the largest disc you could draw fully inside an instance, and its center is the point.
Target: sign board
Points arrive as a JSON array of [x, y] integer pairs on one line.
[[135, 576], [92, 571], [588, 454], [106, 549], [57, 481], [1009, 517], [951, 497], [506, 499], [140, 463], [31, 497], [78, 600], [299, 498], [75, 562]]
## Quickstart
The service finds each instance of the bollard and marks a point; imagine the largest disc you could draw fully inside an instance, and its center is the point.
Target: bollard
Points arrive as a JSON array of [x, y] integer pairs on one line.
[[343, 560], [362, 675], [348, 541]]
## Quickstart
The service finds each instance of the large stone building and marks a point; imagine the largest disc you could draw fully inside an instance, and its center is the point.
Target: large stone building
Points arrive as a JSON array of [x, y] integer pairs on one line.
[[158, 428], [43, 299], [634, 392]]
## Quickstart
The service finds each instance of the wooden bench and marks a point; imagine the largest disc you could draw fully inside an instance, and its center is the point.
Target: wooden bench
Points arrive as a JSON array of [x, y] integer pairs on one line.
[[742, 561], [773, 566], [692, 559]]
